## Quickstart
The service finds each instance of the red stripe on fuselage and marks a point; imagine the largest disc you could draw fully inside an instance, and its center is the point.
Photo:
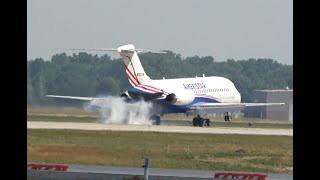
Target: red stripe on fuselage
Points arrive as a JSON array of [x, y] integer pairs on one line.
[[130, 76], [150, 88], [132, 79], [144, 89], [132, 83], [156, 88], [133, 76], [136, 82]]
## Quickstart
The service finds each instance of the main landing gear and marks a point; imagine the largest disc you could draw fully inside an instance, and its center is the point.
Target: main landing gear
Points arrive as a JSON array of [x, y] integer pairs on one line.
[[199, 121], [227, 117], [156, 120]]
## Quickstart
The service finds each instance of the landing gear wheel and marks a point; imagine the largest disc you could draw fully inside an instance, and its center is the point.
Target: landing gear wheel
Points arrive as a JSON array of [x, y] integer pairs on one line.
[[227, 118], [155, 119], [201, 122], [158, 120], [195, 122]]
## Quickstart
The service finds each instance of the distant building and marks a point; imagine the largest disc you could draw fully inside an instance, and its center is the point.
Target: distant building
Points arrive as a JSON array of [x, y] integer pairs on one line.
[[284, 112]]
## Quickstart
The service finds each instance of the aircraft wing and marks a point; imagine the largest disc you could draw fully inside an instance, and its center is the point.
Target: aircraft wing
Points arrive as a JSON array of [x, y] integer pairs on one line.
[[230, 105], [76, 97]]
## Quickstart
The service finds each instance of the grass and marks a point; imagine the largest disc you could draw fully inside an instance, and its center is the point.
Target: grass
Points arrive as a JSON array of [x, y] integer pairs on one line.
[[59, 111], [269, 154], [61, 118]]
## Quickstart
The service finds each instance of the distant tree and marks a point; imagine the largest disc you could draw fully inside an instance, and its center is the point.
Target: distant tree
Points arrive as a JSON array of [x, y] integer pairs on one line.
[[108, 86], [84, 74]]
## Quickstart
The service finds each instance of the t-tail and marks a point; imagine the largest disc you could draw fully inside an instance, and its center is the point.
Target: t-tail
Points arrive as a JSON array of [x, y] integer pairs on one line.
[[133, 67]]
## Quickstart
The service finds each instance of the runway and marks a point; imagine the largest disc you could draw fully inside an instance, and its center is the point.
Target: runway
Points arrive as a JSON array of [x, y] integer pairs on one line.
[[112, 172], [161, 128], [160, 172]]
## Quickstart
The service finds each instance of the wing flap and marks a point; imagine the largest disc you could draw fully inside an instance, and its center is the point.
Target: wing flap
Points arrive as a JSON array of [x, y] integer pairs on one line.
[[227, 105]]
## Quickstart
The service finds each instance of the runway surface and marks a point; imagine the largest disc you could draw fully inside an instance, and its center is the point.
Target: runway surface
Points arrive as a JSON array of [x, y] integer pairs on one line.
[[155, 128], [159, 172]]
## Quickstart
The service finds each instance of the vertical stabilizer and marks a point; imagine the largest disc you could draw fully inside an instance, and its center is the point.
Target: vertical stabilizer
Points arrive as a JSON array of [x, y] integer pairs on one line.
[[134, 69]]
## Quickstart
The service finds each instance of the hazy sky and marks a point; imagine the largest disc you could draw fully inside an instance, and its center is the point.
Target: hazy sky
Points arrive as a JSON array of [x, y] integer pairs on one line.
[[220, 28]]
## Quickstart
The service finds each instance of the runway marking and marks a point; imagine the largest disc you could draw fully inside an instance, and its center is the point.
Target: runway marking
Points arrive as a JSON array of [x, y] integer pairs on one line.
[[155, 128]]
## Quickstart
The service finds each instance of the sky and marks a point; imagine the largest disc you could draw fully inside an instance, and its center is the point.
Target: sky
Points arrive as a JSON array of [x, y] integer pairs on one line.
[[223, 29]]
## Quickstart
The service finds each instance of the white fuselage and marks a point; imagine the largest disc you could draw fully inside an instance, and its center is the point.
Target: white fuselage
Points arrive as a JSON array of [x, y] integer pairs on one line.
[[219, 88]]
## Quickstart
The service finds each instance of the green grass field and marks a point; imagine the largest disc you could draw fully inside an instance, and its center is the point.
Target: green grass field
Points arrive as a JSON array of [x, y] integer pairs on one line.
[[269, 154], [59, 110], [61, 118]]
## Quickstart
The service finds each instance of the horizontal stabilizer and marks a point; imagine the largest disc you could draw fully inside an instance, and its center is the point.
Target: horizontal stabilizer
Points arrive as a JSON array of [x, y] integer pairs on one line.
[[150, 51], [113, 49], [91, 49]]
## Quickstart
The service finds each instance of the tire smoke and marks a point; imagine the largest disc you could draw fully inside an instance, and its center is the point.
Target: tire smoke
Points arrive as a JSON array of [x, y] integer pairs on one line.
[[113, 110]]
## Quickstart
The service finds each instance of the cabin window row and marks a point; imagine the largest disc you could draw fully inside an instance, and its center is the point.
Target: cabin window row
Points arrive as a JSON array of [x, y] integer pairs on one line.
[[212, 90]]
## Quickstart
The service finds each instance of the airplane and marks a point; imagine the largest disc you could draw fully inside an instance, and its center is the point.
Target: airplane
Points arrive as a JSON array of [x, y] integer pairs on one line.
[[180, 95]]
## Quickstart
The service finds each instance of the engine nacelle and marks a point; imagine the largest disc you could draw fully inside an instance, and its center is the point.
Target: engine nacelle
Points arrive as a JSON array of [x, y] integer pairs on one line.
[[126, 97], [180, 98]]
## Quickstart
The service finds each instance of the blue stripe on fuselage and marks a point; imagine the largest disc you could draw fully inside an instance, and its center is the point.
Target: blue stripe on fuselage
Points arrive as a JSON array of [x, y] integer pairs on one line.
[[169, 108]]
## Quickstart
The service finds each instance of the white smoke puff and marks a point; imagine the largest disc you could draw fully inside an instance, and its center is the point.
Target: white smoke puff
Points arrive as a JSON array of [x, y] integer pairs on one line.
[[113, 110], [140, 113]]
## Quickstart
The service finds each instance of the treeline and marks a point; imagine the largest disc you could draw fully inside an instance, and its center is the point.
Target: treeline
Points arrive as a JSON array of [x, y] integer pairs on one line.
[[85, 74]]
